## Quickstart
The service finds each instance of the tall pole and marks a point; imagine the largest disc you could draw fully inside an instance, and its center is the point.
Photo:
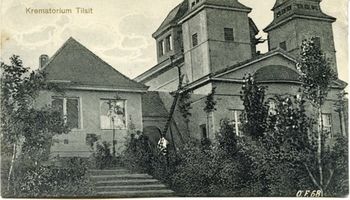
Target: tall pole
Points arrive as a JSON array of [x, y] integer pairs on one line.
[[113, 137]]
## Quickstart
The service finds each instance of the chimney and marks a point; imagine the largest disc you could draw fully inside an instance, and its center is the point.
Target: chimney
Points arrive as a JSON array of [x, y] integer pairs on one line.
[[43, 59]]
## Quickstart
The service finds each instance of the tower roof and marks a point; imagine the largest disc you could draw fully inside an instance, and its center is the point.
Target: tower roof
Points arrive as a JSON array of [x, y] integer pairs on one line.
[[75, 65], [278, 3], [183, 9], [173, 17], [297, 10]]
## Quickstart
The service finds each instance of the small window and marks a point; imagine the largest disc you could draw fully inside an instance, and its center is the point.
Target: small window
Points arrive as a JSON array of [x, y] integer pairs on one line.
[[204, 132], [283, 45], [289, 8], [193, 4], [197, 1], [65, 141], [314, 7], [161, 48], [327, 123], [169, 43], [307, 6], [300, 6], [228, 32], [194, 39]]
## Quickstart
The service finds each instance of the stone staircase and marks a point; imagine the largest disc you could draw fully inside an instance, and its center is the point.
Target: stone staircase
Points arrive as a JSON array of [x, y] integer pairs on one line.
[[122, 183]]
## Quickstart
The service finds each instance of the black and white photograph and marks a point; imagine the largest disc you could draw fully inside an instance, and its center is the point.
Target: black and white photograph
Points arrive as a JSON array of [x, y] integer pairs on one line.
[[174, 98]]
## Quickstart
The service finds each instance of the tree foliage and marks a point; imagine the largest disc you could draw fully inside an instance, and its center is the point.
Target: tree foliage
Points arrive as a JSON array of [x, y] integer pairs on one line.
[[255, 108], [25, 129], [316, 71], [210, 102]]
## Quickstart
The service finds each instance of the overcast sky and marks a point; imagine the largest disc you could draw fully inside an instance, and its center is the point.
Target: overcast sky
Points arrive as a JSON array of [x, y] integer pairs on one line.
[[119, 31]]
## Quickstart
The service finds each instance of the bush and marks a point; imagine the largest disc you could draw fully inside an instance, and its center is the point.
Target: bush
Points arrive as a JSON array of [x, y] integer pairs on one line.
[[102, 157], [50, 181], [196, 169]]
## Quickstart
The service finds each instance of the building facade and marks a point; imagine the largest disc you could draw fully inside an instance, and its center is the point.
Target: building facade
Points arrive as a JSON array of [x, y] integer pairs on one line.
[[213, 45], [98, 103]]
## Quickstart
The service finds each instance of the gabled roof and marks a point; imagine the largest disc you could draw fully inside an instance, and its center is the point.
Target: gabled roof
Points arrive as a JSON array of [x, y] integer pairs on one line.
[[259, 58], [152, 105], [75, 65], [173, 17]]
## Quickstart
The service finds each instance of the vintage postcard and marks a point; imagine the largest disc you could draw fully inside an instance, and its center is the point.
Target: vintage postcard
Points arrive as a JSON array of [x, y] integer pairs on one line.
[[174, 98]]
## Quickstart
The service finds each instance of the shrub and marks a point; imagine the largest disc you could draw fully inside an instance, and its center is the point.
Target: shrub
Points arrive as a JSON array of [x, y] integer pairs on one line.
[[50, 181], [102, 156]]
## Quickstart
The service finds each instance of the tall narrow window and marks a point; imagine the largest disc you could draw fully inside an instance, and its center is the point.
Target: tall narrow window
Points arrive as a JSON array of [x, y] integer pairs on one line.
[[283, 45], [235, 121], [161, 48], [317, 42], [228, 32], [169, 43], [194, 39], [112, 114], [203, 128], [69, 107], [327, 123]]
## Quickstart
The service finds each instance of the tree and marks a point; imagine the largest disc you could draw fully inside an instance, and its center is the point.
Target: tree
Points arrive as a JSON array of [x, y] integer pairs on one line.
[[316, 76], [24, 128], [255, 108]]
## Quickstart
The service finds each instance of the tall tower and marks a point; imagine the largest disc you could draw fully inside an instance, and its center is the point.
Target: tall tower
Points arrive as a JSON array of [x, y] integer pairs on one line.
[[216, 34], [296, 20]]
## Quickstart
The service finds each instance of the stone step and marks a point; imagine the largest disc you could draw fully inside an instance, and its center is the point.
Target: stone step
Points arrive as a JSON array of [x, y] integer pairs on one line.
[[138, 193], [126, 182], [109, 172], [130, 188], [120, 177]]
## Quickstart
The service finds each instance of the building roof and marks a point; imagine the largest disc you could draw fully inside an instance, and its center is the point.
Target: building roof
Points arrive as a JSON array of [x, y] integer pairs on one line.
[[75, 65], [281, 2], [152, 105], [182, 10], [298, 13], [276, 73], [277, 51], [172, 18], [227, 3]]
